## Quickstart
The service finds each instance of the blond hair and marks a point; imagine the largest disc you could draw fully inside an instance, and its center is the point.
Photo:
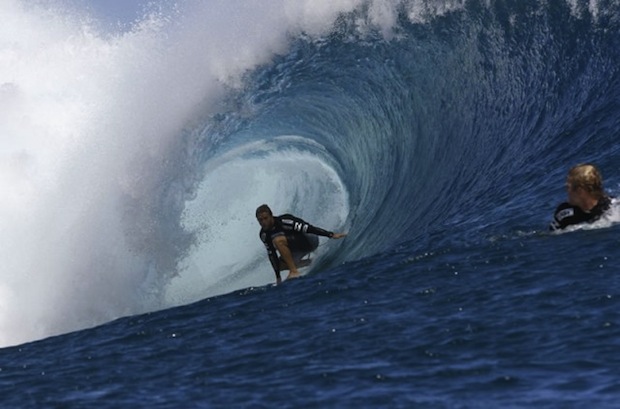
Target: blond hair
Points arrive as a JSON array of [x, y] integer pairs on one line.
[[587, 177]]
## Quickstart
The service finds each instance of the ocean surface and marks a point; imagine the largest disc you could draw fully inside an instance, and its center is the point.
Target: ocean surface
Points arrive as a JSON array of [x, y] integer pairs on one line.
[[438, 134]]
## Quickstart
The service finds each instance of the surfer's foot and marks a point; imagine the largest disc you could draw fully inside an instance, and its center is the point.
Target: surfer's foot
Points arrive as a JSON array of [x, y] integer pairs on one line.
[[293, 275]]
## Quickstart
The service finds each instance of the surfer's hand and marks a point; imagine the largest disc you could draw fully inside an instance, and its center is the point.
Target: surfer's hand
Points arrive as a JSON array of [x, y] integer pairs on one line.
[[339, 235]]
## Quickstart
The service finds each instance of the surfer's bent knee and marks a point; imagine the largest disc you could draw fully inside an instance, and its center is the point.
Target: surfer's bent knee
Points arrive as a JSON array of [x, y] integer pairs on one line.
[[280, 240]]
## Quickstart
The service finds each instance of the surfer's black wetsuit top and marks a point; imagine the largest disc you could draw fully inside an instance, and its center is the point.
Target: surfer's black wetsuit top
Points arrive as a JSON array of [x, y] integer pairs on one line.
[[567, 214], [296, 231]]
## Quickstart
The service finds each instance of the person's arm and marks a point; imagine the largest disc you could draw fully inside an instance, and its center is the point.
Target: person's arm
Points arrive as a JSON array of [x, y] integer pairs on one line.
[[275, 263], [564, 216], [321, 232], [273, 256], [290, 222]]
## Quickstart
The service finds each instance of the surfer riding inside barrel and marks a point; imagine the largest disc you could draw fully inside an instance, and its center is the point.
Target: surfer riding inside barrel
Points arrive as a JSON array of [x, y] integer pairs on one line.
[[291, 237]]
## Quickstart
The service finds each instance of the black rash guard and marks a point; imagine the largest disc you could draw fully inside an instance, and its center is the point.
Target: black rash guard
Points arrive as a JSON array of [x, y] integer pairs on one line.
[[295, 230], [566, 214]]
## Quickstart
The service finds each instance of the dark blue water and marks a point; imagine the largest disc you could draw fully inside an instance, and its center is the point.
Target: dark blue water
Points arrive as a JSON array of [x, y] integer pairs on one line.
[[450, 141]]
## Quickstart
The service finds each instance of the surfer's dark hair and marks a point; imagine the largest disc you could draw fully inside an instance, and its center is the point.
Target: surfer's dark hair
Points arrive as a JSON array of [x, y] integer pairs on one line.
[[263, 209]]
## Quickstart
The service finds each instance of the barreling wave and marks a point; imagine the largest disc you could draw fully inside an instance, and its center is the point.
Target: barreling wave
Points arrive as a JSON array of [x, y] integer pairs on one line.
[[132, 176], [445, 120]]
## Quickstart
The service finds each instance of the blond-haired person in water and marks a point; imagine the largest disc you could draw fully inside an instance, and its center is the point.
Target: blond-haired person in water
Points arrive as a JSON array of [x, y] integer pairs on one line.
[[587, 200]]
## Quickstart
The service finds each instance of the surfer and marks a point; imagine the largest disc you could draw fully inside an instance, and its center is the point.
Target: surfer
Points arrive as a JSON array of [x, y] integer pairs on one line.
[[587, 201], [292, 237]]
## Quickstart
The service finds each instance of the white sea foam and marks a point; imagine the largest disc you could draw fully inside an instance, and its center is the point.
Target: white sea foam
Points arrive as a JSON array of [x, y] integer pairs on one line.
[[88, 121]]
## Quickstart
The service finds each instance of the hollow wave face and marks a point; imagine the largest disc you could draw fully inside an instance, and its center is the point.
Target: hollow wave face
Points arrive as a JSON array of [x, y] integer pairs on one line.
[[131, 163], [96, 128]]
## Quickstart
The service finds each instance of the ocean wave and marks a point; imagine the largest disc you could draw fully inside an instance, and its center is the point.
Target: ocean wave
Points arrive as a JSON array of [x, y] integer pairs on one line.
[[132, 162]]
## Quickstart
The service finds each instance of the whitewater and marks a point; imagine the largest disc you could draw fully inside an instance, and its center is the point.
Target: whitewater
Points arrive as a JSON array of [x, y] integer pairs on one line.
[[94, 141], [437, 133]]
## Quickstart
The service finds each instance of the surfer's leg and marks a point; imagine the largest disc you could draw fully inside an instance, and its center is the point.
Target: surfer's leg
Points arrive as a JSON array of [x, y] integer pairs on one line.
[[302, 243], [313, 242], [300, 246], [286, 257], [298, 259], [283, 266]]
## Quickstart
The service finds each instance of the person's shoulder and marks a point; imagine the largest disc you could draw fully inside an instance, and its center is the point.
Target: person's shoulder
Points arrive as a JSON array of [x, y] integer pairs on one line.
[[563, 216], [288, 218], [603, 205], [564, 210], [605, 202]]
